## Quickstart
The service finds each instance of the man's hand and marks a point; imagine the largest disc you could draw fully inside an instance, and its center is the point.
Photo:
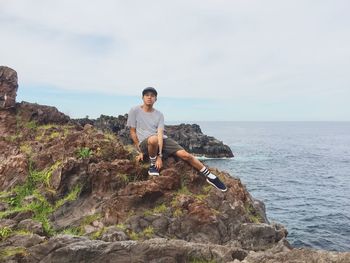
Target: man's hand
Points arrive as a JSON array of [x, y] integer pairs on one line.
[[159, 163], [139, 157]]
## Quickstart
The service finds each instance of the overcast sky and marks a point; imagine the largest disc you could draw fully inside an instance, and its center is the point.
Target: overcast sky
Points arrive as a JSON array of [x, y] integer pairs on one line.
[[209, 60]]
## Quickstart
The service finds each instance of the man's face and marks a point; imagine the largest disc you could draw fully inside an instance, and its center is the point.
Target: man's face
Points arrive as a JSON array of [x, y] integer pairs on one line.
[[149, 98]]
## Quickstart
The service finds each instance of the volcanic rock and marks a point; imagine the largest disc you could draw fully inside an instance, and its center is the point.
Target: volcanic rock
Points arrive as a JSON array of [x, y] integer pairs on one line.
[[8, 87]]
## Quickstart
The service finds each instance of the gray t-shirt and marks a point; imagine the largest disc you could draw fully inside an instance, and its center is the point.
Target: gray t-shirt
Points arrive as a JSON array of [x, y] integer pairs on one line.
[[146, 123]]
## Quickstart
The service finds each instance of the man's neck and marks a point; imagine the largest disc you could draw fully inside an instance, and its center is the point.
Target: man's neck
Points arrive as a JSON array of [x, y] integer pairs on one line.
[[147, 108]]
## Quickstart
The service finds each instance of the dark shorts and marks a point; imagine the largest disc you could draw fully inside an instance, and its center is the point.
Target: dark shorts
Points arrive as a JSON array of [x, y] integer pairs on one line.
[[170, 147]]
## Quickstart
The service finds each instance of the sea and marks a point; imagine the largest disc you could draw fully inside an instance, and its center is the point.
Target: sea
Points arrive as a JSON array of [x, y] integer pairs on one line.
[[300, 170]]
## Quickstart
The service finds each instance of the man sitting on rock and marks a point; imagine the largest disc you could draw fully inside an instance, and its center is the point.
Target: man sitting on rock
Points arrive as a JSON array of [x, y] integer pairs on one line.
[[147, 132]]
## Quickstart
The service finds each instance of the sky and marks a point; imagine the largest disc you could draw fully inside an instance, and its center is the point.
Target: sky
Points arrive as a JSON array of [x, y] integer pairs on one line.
[[210, 60]]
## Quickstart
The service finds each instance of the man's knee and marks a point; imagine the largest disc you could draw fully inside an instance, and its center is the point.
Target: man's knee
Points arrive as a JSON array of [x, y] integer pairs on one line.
[[185, 155], [153, 140]]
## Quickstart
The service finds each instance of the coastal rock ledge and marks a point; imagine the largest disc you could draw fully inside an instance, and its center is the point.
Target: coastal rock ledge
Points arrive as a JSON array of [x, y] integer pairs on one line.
[[72, 193]]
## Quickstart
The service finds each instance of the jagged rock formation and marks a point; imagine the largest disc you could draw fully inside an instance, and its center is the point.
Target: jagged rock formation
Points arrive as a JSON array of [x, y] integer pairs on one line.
[[188, 136], [75, 194], [192, 139], [8, 87]]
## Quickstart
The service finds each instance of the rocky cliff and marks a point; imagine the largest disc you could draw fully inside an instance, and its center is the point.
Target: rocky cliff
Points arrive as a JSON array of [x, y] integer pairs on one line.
[[75, 194]]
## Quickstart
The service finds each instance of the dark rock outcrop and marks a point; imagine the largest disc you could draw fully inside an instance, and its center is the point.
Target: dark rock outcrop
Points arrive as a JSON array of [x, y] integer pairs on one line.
[[188, 136], [40, 114], [8, 87]]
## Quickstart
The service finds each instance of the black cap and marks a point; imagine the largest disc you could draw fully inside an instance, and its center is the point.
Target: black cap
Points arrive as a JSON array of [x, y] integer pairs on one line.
[[149, 89]]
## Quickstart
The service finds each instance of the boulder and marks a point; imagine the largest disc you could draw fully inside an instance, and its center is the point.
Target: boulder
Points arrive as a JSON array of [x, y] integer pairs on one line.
[[25, 240], [13, 171], [190, 137], [113, 234], [8, 87], [69, 249], [7, 223], [31, 226]]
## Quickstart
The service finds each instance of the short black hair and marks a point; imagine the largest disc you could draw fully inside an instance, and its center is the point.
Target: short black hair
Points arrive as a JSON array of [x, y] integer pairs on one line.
[[149, 89]]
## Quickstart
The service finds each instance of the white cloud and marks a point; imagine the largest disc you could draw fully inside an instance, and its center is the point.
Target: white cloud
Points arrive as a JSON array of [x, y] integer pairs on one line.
[[221, 49]]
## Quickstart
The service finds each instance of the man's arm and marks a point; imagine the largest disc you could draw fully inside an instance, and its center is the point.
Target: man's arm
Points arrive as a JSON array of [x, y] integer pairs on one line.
[[135, 139], [160, 140], [160, 132], [136, 143], [159, 161]]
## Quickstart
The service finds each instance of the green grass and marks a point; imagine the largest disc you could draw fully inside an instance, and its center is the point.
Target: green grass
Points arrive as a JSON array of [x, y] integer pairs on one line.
[[201, 197], [26, 149], [148, 232], [207, 189], [22, 232], [134, 236], [37, 178], [71, 196], [73, 231], [8, 212], [12, 251], [47, 126], [19, 123], [12, 138], [32, 125], [110, 136], [174, 203], [178, 212], [98, 234], [253, 215], [54, 134], [5, 232], [148, 212], [91, 218], [40, 207], [83, 153], [124, 177], [160, 209], [184, 190], [79, 230], [34, 180], [130, 148], [121, 227]]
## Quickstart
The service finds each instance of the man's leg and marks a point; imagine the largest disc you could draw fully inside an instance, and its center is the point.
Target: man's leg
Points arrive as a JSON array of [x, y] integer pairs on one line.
[[152, 146], [211, 178], [182, 154]]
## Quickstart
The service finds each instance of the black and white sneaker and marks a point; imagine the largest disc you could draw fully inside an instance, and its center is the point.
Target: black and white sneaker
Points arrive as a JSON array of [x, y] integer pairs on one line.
[[153, 171], [217, 184]]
